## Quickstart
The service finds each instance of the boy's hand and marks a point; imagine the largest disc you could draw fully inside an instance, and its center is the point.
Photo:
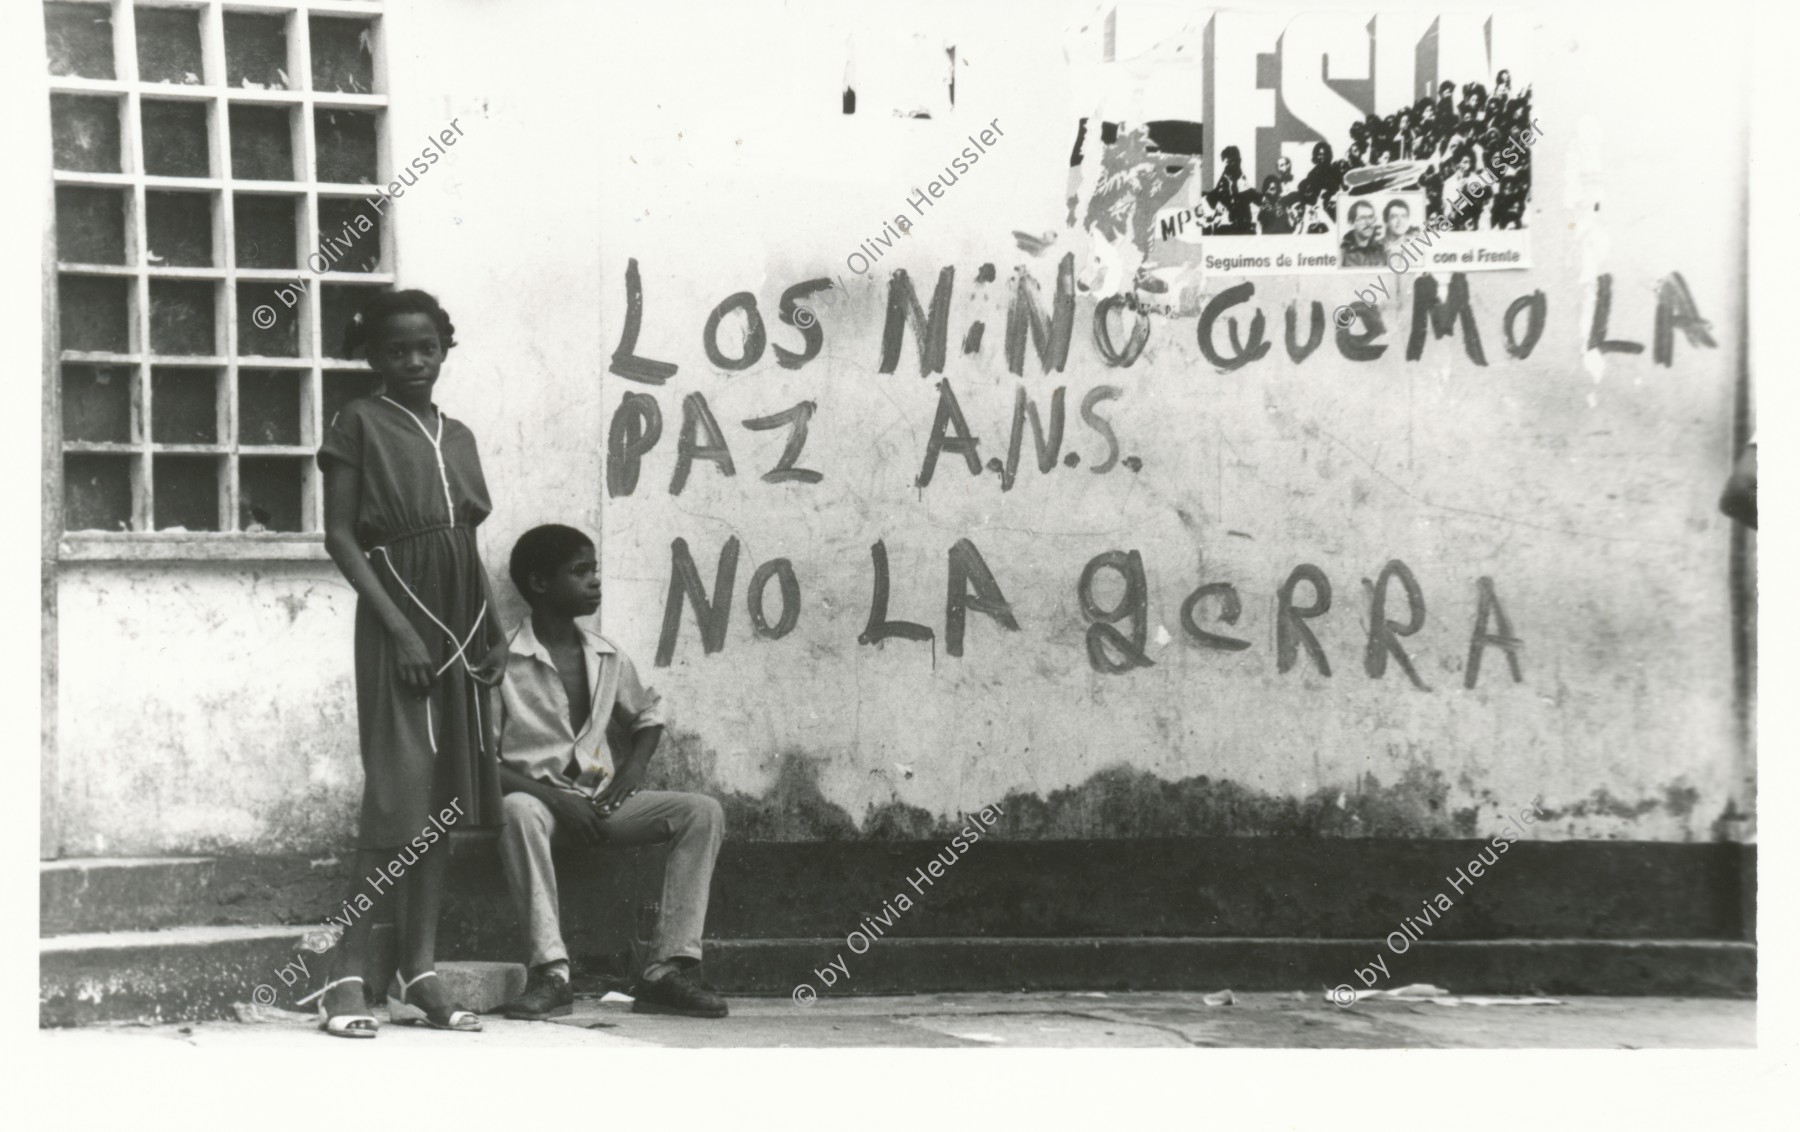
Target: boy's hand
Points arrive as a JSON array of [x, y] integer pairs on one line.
[[578, 816], [413, 661], [628, 781]]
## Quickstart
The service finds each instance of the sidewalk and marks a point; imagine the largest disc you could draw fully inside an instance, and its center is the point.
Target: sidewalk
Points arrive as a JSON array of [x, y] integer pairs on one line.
[[1085, 1019]]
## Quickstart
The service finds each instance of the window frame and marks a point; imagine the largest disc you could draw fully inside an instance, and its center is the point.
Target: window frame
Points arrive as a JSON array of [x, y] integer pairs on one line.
[[311, 366]]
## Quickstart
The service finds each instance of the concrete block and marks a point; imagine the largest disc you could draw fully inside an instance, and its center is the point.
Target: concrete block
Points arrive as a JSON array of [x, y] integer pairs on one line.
[[483, 986]]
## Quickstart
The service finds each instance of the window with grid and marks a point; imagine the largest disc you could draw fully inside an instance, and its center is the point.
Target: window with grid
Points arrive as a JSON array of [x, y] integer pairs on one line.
[[204, 152]]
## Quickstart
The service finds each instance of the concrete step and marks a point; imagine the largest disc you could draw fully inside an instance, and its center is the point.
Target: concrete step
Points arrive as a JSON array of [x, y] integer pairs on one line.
[[1239, 887], [178, 975], [115, 894], [188, 974], [891, 965], [1179, 887]]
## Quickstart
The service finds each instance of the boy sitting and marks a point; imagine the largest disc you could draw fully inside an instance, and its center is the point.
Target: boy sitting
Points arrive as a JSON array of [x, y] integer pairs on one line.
[[563, 687]]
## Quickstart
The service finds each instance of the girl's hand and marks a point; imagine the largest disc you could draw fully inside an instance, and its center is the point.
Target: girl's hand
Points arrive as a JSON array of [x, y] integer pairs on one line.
[[413, 661], [492, 668], [492, 715]]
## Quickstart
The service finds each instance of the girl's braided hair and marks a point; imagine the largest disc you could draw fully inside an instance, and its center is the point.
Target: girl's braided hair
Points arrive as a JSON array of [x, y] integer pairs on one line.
[[362, 327]]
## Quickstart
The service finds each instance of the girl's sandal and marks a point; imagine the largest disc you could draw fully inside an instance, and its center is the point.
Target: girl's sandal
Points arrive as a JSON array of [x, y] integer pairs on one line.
[[342, 1025], [444, 1018]]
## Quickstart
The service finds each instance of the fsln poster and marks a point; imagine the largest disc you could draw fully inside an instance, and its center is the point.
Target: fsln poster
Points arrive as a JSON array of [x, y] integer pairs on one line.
[[1255, 143]]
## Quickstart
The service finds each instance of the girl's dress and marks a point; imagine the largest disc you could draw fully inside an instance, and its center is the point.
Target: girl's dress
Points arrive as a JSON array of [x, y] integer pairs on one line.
[[423, 495]]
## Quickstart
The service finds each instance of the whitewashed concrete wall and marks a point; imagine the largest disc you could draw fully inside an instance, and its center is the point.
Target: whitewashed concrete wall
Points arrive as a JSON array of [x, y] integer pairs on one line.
[[709, 146]]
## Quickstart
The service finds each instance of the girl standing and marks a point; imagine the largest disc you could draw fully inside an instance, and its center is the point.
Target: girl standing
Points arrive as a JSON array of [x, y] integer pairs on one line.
[[403, 495]]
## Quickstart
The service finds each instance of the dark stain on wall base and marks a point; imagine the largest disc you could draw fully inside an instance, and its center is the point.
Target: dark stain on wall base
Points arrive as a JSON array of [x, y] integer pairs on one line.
[[1678, 799], [792, 809], [1118, 802], [1128, 803]]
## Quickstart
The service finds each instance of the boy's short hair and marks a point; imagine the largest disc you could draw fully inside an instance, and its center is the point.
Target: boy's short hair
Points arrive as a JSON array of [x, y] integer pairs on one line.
[[544, 550]]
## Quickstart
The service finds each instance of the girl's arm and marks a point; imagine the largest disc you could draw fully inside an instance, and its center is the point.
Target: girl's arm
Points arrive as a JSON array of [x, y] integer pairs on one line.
[[343, 494], [489, 665]]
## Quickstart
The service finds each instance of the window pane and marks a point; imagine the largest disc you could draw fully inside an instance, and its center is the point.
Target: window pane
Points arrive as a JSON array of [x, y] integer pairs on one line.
[[256, 55], [268, 317], [175, 142], [184, 405], [168, 45], [267, 230], [350, 233], [95, 313], [269, 493], [269, 406], [80, 40], [179, 228], [84, 132], [96, 493], [346, 146], [90, 225], [182, 318], [343, 55], [337, 304], [186, 492], [96, 403], [262, 143]]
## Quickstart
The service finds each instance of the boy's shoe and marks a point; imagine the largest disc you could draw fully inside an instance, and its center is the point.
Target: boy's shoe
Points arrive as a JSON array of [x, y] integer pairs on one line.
[[545, 997], [675, 993]]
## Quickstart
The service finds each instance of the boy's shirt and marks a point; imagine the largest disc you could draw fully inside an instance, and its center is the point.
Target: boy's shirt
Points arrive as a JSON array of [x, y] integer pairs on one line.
[[536, 737]]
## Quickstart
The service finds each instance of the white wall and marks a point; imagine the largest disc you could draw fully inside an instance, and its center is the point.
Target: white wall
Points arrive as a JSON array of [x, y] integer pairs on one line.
[[1584, 487], [708, 145]]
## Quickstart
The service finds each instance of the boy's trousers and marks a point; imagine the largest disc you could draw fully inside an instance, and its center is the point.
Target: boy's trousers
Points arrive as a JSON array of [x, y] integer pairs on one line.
[[694, 823]]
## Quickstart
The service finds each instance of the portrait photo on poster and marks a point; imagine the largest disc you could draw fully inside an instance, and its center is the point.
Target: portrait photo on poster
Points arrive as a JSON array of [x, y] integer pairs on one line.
[[1376, 227]]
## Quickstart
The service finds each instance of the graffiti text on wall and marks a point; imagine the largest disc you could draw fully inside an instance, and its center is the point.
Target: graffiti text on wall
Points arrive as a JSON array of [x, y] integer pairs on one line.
[[1231, 333]]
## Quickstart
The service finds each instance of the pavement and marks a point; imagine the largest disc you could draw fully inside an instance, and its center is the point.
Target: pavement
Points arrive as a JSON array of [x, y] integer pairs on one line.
[[1043, 1020]]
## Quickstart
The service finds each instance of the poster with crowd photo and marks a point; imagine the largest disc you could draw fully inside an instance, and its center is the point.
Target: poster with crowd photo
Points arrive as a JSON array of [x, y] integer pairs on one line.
[[1293, 121]]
